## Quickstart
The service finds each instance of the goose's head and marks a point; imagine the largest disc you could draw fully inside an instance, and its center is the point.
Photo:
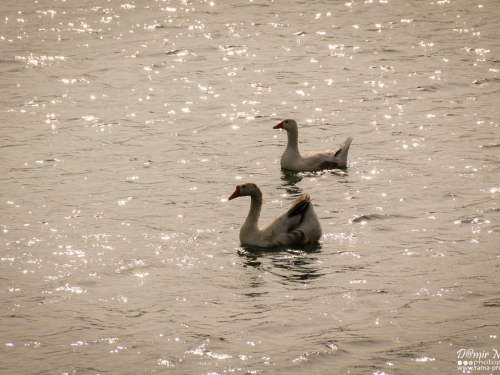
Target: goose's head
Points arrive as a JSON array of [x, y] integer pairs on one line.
[[287, 124], [245, 189]]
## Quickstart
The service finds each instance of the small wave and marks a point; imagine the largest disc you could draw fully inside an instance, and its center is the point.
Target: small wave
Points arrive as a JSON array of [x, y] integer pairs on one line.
[[484, 82], [390, 50], [384, 68], [178, 52], [369, 217], [427, 88], [492, 303], [258, 85], [491, 145], [471, 220], [231, 47]]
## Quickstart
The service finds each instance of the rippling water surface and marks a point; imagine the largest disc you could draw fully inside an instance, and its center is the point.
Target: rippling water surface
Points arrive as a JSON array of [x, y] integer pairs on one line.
[[126, 125]]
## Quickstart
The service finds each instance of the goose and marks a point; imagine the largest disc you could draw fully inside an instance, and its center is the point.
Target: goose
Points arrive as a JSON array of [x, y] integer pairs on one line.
[[298, 225], [293, 160]]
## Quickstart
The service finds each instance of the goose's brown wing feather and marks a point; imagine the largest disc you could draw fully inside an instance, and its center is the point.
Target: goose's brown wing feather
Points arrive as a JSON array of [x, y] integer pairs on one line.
[[298, 208]]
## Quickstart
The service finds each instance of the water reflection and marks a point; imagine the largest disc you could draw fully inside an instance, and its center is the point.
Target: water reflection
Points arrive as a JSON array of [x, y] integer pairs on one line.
[[290, 179], [293, 264]]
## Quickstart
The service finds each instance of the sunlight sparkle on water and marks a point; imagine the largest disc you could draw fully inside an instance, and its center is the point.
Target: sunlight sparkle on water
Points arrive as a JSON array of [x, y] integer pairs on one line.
[[72, 289], [423, 359], [165, 362], [123, 202]]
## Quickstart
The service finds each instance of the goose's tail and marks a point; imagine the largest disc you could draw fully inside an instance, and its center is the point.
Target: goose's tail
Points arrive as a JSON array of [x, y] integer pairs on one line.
[[340, 156]]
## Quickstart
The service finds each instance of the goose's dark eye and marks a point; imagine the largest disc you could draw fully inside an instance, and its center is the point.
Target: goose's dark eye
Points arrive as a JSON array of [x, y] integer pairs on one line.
[[286, 122]]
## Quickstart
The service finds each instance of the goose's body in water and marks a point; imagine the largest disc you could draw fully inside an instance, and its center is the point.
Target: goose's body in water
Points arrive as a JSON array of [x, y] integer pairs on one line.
[[298, 225], [293, 160]]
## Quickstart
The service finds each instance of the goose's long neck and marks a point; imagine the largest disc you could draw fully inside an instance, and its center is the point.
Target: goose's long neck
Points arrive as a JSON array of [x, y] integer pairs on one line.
[[252, 220], [293, 140]]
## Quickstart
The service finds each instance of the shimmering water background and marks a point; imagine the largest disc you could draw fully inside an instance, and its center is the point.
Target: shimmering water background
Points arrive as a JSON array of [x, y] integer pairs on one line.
[[126, 125]]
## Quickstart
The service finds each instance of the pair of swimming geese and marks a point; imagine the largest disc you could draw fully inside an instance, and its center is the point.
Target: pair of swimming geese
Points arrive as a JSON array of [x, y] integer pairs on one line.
[[299, 224]]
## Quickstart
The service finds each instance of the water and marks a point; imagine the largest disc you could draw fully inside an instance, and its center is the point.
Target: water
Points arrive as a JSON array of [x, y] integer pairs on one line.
[[126, 126]]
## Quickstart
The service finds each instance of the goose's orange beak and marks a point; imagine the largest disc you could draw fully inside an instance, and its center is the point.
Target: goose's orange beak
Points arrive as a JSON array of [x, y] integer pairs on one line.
[[236, 193], [279, 126]]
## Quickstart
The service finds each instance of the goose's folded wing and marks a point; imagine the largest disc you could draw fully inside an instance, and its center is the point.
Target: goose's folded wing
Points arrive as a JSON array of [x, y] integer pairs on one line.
[[315, 158], [330, 159], [294, 237], [282, 225], [299, 205], [328, 165], [283, 230], [296, 213], [342, 148]]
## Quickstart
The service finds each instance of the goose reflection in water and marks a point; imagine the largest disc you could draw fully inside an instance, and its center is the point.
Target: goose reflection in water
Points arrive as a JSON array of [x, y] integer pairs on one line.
[[293, 264], [289, 179]]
